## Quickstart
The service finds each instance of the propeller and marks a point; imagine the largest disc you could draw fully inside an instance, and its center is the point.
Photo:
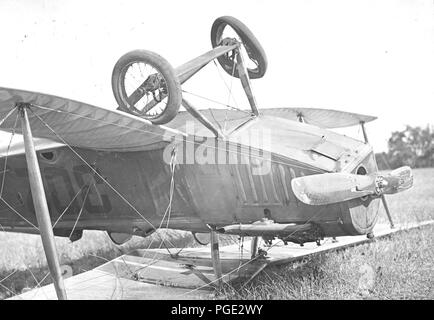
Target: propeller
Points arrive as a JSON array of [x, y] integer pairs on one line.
[[327, 188]]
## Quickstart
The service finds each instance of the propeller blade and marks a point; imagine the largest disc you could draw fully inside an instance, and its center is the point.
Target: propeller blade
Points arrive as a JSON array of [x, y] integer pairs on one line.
[[396, 181], [327, 188]]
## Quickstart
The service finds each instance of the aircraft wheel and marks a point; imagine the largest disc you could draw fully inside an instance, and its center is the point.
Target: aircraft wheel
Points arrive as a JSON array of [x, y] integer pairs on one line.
[[119, 238], [201, 238], [146, 85], [223, 30]]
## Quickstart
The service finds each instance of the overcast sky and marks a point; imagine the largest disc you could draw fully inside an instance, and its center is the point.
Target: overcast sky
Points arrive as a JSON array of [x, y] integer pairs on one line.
[[371, 57]]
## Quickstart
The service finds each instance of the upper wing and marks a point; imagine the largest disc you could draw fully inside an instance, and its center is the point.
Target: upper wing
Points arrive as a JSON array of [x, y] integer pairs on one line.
[[324, 118], [82, 125]]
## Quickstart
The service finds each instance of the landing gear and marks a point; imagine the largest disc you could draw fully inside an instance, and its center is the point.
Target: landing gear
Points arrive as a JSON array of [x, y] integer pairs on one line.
[[146, 85], [247, 61], [225, 29]]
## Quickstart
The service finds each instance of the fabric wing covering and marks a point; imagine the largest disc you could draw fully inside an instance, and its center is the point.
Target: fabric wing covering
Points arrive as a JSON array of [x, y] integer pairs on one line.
[[82, 125], [324, 118]]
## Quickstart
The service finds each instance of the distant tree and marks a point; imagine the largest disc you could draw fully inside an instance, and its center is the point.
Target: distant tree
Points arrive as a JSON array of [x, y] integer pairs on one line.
[[412, 146]]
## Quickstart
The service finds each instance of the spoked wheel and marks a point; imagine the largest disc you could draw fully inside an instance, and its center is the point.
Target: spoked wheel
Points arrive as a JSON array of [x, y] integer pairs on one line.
[[146, 85], [223, 31]]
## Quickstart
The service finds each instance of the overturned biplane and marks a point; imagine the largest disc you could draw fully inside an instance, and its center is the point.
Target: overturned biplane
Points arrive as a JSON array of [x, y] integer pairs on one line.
[[265, 173]]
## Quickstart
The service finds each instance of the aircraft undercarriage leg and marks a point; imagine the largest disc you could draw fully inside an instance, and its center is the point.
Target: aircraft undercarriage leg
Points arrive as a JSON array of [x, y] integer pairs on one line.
[[245, 81], [215, 255]]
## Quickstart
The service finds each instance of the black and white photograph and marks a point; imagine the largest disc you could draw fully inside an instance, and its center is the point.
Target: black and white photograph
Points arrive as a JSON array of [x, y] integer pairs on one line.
[[236, 152]]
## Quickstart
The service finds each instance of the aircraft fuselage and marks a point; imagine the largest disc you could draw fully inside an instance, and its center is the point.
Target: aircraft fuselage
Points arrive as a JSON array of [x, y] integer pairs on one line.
[[129, 192]]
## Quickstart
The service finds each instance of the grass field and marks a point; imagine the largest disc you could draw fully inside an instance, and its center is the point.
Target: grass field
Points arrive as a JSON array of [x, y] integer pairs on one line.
[[400, 266]]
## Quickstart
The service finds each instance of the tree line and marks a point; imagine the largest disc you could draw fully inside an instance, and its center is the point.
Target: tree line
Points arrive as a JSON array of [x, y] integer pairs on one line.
[[411, 147]]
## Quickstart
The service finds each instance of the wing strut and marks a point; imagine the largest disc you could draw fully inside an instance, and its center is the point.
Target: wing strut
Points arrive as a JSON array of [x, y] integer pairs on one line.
[[215, 255], [40, 203], [245, 81], [254, 247], [383, 197]]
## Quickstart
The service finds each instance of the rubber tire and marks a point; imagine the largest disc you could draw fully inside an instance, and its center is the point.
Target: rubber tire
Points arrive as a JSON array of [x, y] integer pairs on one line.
[[160, 64], [255, 49], [198, 241]]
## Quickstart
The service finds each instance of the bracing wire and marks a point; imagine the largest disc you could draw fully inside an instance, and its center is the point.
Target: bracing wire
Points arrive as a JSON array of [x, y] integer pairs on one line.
[[81, 210], [252, 155], [7, 154], [252, 259], [230, 93], [247, 112], [95, 171], [67, 207], [168, 210], [104, 179]]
